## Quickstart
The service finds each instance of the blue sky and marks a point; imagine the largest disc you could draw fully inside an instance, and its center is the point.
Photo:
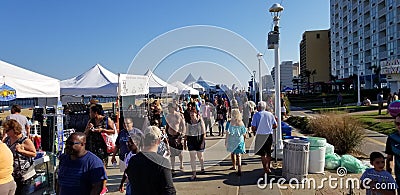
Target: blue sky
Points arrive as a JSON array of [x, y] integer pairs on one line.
[[62, 39]]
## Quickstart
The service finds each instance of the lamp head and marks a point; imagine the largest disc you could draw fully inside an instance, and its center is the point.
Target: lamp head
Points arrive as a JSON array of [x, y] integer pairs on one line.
[[259, 55], [275, 9]]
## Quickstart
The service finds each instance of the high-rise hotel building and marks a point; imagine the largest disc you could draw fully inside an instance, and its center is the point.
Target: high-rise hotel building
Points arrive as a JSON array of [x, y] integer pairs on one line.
[[366, 34]]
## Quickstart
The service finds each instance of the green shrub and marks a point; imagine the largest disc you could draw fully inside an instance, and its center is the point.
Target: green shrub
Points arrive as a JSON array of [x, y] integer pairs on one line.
[[345, 133], [301, 123]]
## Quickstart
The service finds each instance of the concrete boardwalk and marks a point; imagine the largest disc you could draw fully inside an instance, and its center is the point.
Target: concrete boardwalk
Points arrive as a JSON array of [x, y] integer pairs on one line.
[[218, 179]]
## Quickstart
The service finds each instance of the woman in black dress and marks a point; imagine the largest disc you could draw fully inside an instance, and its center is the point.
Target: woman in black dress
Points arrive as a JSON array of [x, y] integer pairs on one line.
[[97, 125], [195, 139]]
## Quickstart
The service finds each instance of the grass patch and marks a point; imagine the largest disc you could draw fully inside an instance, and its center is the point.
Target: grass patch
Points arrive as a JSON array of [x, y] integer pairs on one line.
[[345, 109], [379, 123]]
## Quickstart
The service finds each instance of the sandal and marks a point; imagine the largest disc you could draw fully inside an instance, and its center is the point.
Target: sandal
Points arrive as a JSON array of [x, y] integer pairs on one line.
[[193, 178], [232, 168], [202, 171]]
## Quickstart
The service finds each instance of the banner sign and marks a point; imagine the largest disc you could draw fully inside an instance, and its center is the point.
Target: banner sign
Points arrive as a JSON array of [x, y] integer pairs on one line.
[[7, 93], [133, 84]]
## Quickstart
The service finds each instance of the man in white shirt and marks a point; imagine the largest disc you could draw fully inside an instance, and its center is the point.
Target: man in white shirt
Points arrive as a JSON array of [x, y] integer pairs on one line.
[[206, 111], [21, 119], [263, 123]]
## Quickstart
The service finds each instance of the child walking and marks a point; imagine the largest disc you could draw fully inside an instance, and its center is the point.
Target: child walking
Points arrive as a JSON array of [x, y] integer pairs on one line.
[[377, 180]]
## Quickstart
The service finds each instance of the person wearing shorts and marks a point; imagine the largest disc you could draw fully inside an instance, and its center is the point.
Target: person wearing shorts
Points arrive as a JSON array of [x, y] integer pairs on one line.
[[263, 124]]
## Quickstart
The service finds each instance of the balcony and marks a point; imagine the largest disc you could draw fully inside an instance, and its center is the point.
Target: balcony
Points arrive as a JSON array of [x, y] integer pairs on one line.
[[398, 17], [381, 12], [382, 55], [382, 26], [367, 58], [367, 46], [367, 33], [367, 21], [382, 40], [367, 7]]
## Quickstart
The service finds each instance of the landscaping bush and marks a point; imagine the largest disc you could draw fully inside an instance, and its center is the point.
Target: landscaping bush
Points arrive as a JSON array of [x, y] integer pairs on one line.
[[341, 131], [301, 123]]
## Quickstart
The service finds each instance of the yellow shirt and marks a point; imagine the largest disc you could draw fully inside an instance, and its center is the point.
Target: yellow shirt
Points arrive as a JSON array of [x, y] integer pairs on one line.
[[6, 164]]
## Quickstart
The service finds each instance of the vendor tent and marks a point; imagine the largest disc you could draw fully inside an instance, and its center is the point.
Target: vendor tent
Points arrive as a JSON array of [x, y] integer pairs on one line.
[[185, 89], [95, 81], [158, 86], [28, 84], [189, 79]]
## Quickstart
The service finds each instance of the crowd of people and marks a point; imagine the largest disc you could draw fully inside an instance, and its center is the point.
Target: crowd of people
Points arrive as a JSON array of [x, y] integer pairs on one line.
[[147, 156]]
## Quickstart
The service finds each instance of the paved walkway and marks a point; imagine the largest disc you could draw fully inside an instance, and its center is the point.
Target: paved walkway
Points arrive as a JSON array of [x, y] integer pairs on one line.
[[218, 179]]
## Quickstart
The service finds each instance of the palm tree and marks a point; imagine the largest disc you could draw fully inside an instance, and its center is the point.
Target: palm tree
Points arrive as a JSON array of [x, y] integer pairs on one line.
[[307, 74], [297, 81]]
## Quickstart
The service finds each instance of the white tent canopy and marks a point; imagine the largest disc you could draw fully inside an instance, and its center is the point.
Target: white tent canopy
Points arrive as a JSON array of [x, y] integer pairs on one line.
[[29, 84], [95, 81], [189, 79], [185, 89], [158, 86]]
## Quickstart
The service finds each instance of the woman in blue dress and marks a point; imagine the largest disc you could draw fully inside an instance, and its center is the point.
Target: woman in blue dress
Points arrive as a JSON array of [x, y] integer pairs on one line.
[[235, 139]]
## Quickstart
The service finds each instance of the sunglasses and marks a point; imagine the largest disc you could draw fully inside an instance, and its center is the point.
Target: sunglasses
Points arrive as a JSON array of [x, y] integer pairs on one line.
[[70, 143]]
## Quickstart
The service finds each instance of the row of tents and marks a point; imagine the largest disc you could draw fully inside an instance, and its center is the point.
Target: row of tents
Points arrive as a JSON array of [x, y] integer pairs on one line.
[[96, 81]]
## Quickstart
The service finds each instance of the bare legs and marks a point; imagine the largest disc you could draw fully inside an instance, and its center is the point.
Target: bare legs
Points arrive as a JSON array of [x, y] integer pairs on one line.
[[236, 161], [173, 162], [193, 162], [265, 162]]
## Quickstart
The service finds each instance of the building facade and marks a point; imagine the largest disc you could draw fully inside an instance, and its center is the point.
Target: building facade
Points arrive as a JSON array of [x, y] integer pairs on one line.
[[364, 36], [315, 58], [286, 70]]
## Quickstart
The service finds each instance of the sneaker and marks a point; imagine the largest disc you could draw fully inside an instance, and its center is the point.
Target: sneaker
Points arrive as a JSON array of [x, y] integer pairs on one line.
[[104, 191]]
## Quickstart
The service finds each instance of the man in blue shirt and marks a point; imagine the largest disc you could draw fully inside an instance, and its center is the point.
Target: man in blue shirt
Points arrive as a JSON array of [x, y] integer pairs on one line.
[[80, 171], [263, 124]]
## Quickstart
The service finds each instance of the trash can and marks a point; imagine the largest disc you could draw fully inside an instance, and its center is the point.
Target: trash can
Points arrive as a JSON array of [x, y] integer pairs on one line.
[[295, 137], [286, 129], [317, 154], [295, 159]]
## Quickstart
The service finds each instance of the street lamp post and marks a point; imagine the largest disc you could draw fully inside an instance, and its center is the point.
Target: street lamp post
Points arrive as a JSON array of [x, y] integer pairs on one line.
[[260, 89], [273, 43], [254, 85], [358, 86]]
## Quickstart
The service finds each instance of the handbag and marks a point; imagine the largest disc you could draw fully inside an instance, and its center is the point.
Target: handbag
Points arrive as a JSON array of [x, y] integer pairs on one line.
[[26, 173]]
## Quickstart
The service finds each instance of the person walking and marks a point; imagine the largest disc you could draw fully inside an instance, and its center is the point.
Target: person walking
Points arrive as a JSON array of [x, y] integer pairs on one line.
[[175, 129], [379, 98], [195, 140], [393, 151], [80, 171], [148, 172], [23, 152], [21, 119], [97, 125], [221, 117], [234, 141], [7, 183], [122, 140], [206, 112], [263, 124]]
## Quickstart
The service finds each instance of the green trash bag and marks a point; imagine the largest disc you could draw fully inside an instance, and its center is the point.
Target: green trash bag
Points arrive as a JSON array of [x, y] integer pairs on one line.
[[329, 149], [332, 161], [316, 142], [352, 164]]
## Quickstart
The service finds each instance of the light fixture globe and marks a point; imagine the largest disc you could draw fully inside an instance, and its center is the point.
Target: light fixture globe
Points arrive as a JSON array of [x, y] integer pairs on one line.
[[276, 7]]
